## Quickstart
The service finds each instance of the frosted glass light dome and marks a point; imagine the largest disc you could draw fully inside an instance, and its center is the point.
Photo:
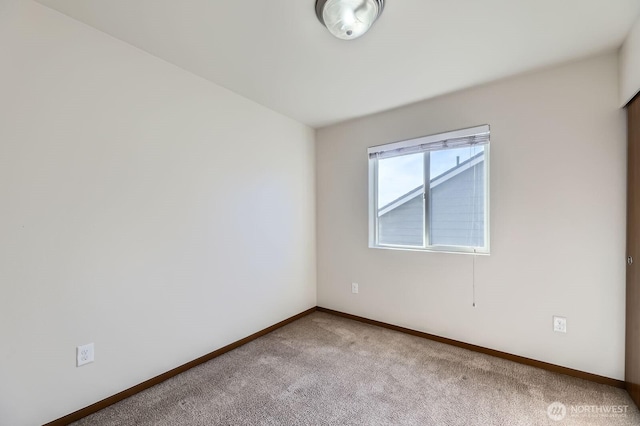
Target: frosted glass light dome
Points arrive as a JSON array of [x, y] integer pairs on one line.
[[348, 19]]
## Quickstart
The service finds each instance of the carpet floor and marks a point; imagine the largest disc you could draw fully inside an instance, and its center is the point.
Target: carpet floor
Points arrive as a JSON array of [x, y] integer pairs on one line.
[[327, 370]]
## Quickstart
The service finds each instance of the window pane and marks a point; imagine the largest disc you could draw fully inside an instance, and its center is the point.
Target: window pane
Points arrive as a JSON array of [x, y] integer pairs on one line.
[[456, 202], [400, 200]]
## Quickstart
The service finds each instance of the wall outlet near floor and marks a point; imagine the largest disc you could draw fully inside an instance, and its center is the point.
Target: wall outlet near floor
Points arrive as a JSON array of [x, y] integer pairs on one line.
[[84, 354], [559, 324], [354, 288]]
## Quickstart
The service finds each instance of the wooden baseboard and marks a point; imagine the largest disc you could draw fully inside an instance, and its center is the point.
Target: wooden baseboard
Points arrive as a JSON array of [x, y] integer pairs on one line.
[[515, 358], [77, 415], [93, 408]]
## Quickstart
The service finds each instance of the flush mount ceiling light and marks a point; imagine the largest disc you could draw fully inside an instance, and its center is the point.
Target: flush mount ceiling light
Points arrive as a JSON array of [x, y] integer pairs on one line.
[[348, 19]]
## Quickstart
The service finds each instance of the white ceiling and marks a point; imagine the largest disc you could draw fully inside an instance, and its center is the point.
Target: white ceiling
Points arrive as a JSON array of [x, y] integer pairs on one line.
[[276, 53]]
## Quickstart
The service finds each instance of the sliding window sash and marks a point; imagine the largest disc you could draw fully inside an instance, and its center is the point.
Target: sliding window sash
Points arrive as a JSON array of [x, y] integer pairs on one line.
[[473, 136]]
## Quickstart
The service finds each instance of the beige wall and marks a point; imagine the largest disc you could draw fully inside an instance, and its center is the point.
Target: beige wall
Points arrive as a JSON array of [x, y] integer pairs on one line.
[[143, 209], [557, 221], [630, 65]]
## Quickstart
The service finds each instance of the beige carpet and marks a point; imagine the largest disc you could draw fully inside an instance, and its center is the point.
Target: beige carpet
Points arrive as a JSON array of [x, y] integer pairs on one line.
[[327, 370]]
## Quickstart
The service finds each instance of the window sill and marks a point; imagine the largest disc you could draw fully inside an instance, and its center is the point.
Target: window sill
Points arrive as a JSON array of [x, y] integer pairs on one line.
[[446, 250]]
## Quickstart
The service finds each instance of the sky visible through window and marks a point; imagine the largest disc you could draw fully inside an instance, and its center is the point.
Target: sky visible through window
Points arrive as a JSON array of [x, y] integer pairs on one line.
[[399, 175]]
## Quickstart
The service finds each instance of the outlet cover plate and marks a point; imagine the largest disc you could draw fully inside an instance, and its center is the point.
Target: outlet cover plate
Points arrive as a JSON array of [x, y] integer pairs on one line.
[[559, 324], [84, 354]]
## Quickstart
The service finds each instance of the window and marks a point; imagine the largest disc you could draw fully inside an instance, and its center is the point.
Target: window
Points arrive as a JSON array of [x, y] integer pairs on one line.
[[431, 193]]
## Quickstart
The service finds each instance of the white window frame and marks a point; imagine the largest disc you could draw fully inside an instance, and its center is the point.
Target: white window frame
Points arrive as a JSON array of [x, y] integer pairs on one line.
[[426, 144]]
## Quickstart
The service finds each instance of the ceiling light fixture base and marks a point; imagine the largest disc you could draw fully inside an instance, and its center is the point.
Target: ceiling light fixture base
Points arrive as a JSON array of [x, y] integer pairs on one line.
[[348, 19]]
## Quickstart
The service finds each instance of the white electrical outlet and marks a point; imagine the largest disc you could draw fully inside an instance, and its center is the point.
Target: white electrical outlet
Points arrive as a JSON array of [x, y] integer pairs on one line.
[[354, 288], [84, 354], [559, 324]]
